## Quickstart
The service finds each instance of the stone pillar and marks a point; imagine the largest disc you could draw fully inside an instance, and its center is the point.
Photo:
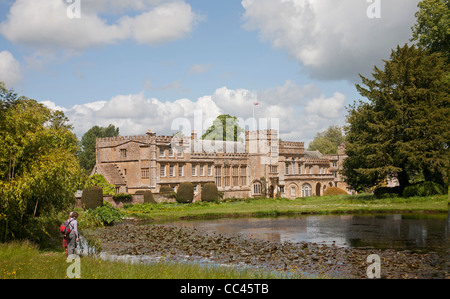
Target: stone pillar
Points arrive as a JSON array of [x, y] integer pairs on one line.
[[153, 165]]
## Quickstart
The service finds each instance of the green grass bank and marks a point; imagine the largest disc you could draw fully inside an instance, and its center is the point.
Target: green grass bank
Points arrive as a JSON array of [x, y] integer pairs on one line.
[[362, 203], [23, 260]]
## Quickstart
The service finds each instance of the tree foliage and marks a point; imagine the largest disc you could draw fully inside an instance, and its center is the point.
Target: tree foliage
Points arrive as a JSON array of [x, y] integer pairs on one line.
[[403, 126], [100, 181], [39, 172], [225, 127], [327, 142], [432, 28], [86, 157]]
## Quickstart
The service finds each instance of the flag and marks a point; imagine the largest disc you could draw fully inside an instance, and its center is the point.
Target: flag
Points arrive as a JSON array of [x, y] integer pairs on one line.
[[256, 103]]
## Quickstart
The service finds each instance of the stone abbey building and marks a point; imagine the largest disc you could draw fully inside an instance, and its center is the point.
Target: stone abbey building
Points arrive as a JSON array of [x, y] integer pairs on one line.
[[261, 165]]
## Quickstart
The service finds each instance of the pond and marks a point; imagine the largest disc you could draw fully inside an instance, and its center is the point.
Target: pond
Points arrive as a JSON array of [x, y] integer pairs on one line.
[[414, 232]]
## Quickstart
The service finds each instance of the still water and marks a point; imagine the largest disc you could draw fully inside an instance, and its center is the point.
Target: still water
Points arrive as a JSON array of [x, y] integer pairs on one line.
[[418, 233]]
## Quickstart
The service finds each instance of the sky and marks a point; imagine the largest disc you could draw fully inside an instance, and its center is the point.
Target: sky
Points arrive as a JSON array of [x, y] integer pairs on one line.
[[163, 65]]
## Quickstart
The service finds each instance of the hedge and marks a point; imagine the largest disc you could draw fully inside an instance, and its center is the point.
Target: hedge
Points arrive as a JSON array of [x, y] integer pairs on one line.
[[210, 192], [185, 193], [424, 189], [148, 196], [386, 192], [334, 191], [92, 197]]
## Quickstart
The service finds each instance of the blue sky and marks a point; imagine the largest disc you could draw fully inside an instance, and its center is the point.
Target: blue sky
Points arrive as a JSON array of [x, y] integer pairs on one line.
[[145, 64]]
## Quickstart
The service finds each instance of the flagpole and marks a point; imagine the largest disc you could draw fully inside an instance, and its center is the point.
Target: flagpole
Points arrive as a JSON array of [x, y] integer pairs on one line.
[[253, 120]]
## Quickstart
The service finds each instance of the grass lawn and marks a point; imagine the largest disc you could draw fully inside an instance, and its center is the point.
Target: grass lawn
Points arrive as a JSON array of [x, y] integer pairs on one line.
[[363, 203], [23, 260]]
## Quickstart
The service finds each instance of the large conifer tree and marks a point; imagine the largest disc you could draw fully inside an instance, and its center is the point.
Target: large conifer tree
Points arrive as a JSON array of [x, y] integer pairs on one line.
[[403, 127]]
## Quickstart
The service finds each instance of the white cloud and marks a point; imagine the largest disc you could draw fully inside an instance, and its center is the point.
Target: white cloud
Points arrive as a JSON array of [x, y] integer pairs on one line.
[[134, 114], [10, 72], [333, 39], [45, 24], [327, 108]]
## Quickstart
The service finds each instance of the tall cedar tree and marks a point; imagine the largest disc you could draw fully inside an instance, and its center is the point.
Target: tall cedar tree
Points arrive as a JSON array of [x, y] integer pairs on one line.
[[403, 128]]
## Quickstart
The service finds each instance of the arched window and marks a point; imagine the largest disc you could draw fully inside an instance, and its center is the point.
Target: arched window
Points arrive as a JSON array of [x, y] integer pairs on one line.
[[306, 190], [257, 188], [293, 191]]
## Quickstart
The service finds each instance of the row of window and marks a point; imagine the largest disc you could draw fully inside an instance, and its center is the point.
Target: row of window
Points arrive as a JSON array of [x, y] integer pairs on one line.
[[123, 153], [162, 152], [197, 170], [228, 176], [290, 169]]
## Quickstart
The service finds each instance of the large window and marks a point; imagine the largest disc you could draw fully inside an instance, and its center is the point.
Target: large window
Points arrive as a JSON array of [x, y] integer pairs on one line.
[[218, 176], [180, 170], [226, 176], [123, 153], [257, 188], [243, 176], [306, 190], [163, 171], [145, 173], [210, 170], [202, 170], [235, 176]]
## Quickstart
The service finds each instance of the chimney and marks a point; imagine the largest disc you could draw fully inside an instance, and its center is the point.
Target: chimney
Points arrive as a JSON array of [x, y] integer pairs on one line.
[[150, 133], [193, 135]]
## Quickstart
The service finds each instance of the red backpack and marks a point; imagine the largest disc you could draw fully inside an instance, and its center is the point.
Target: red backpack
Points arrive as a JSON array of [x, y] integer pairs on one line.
[[65, 227]]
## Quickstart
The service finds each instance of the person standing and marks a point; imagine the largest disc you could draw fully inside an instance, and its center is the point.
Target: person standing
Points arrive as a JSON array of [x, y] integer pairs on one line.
[[73, 237]]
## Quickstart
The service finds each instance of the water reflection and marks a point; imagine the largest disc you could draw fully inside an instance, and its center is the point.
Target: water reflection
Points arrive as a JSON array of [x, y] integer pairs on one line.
[[400, 232]]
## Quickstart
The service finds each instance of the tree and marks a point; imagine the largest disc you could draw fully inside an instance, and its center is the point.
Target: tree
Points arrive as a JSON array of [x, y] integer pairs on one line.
[[327, 142], [39, 172], [225, 127], [86, 157], [100, 181], [432, 28], [403, 128]]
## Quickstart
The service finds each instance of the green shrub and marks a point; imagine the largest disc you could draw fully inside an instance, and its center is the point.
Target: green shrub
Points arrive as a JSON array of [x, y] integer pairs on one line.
[[165, 189], [168, 192], [100, 181], [148, 196], [107, 214], [381, 192], [334, 191], [122, 196], [92, 197], [424, 189], [185, 193], [210, 192]]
